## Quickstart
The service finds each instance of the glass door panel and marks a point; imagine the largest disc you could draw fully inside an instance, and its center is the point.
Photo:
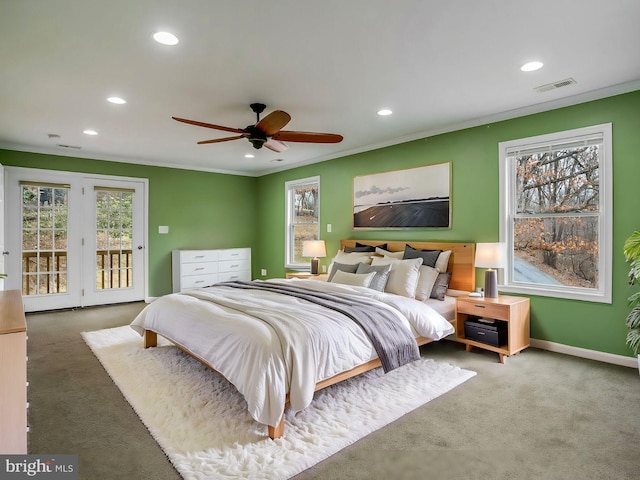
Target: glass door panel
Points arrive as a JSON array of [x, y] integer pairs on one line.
[[44, 232]]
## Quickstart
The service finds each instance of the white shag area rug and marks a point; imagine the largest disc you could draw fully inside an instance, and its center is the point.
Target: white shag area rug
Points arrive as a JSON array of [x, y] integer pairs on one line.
[[202, 424]]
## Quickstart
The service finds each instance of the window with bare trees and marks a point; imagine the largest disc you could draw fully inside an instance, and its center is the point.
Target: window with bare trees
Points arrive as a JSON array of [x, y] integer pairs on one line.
[[303, 219], [556, 214]]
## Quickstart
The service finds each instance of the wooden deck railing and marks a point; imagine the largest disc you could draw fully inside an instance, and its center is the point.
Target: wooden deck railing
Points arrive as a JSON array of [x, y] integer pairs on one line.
[[107, 273]]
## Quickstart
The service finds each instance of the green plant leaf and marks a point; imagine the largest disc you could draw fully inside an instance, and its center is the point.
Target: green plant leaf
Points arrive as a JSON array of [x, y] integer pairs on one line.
[[632, 247], [634, 272], [633, 319], [634, 299], [633, 340]]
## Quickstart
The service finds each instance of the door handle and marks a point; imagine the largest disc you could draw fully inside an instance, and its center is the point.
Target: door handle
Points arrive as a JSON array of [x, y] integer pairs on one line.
[[6, 252], [139, 247]]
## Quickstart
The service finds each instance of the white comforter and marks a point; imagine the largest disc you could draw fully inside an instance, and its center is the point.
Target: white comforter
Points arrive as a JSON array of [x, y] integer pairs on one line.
[[268, 345]]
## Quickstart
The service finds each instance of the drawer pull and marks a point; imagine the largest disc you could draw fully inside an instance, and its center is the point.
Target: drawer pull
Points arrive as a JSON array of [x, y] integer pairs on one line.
[[199, 256], [234, 266], [479, 306], [199, 281], [234, 277], [199, 268]]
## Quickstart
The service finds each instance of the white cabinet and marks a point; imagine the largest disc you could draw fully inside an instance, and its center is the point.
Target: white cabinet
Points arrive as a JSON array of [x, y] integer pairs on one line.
[[203, 268]]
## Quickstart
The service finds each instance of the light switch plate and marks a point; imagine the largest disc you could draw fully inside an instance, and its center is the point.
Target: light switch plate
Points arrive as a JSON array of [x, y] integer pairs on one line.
[[163, 229]]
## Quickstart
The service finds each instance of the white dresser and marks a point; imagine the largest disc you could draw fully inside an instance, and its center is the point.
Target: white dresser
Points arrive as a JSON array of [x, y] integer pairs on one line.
[[202, 268]]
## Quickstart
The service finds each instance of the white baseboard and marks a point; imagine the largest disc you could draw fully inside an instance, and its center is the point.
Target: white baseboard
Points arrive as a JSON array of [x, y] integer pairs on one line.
[[584, 353]]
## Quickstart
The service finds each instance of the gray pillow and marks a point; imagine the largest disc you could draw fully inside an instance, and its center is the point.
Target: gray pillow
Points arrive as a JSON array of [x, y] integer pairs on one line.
[[344, 267], [381, 277], [429, 257], [441, 285]]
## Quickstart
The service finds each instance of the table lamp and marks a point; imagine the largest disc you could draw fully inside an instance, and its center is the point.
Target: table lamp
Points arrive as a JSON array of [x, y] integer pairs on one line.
[[315, 249], [490, 256]]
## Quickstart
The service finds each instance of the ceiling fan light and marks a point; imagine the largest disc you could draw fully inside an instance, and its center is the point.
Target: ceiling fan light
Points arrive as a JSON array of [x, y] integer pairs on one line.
[[165, 38]]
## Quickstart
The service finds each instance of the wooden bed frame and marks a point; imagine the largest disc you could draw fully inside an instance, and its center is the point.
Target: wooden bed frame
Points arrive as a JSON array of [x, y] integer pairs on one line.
[[461, 264]]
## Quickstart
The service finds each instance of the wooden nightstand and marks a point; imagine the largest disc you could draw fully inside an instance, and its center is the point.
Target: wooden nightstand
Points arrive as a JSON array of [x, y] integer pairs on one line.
[[512, 310], [315, 276]]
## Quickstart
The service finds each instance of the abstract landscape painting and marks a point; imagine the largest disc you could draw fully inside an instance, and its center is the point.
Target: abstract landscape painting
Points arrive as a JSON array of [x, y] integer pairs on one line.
[[411, 198]]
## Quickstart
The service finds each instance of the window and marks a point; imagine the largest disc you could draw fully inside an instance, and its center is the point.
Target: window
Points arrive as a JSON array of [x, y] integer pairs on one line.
[[556, 214], [302, 223]]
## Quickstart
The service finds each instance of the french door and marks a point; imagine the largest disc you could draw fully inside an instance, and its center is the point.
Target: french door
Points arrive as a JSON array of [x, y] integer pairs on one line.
[[75, 240]]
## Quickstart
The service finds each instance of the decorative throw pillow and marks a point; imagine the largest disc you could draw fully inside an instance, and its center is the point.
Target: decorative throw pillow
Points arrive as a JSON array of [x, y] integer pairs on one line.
[[344, 267], [352, 258], [429, 257], [441, 285], [382, 245], [386, 253], [426, 281], [381, 275], [364, 248], [355, 279], [403, 276], [442, 263]]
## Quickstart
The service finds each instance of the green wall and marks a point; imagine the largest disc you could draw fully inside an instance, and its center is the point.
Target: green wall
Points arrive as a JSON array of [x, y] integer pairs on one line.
[[202, 210], [475, 216]]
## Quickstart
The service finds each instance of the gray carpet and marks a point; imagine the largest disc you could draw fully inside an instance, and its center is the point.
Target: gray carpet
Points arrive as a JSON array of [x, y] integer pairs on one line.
[[541, 416]]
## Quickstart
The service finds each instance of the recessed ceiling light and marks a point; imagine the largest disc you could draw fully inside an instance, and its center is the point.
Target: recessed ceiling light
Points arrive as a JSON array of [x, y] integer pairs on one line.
[[89, 132], [116, 100], [249, 155], [384, 112], [165, 38], [531, 66]]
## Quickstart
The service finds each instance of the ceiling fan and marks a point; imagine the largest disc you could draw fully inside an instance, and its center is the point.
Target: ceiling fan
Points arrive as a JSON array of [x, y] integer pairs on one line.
[[267, 132]]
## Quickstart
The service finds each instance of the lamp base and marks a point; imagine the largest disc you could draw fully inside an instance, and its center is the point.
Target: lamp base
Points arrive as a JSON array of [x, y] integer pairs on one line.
[[491, 284], [314, 266]]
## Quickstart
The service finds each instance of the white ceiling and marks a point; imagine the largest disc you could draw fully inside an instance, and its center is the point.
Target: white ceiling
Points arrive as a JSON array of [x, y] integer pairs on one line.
[[439, 65]]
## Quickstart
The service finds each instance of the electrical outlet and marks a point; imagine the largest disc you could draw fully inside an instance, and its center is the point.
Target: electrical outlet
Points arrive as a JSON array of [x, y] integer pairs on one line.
[[324, 269], [263, 272]]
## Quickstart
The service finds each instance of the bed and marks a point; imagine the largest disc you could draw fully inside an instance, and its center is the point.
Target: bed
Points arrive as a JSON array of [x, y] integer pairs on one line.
[[278, 341]]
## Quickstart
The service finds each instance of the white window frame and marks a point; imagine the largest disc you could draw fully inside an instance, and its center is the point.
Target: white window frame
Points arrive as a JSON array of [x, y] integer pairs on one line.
[[508, 205], [290, 188]]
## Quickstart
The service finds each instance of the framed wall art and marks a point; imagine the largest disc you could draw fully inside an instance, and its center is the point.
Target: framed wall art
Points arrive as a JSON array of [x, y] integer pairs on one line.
[[411, 198]]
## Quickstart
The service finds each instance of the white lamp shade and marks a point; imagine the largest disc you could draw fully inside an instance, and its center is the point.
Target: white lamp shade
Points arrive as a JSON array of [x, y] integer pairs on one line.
[[314, 248], [490, 255]]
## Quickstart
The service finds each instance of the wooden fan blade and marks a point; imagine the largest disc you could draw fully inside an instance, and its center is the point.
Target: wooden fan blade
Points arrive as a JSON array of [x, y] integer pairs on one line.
[[209, 125], [308, 137], [216, 140], [272, 123], [276, 146]]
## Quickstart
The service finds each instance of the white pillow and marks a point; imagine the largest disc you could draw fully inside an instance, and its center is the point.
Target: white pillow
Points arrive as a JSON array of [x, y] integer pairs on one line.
[[355, 279], [386, 253], [428, 277], [443, 260], [403, 277], [351, 258]]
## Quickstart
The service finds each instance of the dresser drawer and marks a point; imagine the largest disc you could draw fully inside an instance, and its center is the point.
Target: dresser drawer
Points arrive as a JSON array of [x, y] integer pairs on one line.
[[198, 281], [240, 275], [196, 256], [199, 268], [235, 254], [234, 265], [499, 312]]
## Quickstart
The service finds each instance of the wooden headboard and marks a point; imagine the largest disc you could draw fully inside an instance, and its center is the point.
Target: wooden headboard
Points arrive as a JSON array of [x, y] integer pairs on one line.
[[461, 262]]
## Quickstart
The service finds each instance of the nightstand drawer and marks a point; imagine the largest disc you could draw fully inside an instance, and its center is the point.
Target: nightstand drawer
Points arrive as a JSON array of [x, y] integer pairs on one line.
[[489, 310]]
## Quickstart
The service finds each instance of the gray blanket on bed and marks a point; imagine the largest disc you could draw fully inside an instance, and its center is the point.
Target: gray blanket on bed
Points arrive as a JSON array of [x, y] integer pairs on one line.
[[392, 340]]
